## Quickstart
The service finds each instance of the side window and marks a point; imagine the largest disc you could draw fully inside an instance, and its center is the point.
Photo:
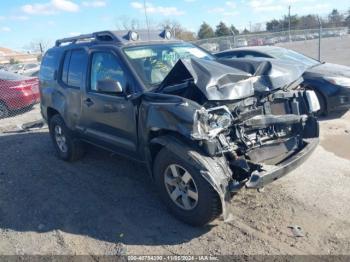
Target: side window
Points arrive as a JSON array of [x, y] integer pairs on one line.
[[254, 54], [65, 68], [77, 68], [49, 64], [74, 68], [234, 55], [106, 66]]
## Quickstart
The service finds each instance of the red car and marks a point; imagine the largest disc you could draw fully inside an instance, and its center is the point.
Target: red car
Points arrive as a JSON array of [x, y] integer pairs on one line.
[[17, 92]]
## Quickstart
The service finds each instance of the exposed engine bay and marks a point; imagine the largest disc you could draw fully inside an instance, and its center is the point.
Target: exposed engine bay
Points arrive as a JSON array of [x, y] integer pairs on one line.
[[254, 113]]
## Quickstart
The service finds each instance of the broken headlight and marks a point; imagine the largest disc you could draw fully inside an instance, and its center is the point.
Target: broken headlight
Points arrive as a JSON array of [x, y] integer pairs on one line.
[[208, 123], [312, 100], [223, 120]]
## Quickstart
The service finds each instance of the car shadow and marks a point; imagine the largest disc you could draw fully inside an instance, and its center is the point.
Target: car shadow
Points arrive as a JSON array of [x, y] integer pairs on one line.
[[333, 115], [102, 196]]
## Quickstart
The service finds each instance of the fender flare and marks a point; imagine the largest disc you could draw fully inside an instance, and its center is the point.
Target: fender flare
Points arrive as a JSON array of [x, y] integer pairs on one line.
[[213, 169]]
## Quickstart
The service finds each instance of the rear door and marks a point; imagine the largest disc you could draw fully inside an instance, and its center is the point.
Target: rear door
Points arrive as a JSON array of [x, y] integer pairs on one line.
[[73, 80], [109, 119]]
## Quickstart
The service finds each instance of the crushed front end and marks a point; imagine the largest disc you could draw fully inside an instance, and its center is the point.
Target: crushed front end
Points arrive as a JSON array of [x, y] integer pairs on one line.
[[262, 138], [254, 119]]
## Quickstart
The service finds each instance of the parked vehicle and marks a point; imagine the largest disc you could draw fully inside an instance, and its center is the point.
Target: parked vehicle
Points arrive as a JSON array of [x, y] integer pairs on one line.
[[255, 42], [331, 82], [25, 69], [17, 92], [240, 42], [203, 129], [211, 47]]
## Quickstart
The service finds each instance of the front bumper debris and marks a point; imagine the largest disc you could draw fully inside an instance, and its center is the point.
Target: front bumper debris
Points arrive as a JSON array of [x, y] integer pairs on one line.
[[272, 173]]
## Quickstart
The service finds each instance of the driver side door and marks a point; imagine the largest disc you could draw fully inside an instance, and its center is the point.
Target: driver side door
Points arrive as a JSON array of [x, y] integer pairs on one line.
[[109, 119]]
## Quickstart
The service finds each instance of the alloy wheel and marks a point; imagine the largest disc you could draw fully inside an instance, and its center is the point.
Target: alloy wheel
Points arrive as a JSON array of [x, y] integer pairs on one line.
[[181, 187]]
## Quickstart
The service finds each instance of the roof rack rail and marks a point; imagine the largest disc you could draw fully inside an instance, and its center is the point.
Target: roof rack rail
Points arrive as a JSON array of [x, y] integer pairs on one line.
[[104, 36]]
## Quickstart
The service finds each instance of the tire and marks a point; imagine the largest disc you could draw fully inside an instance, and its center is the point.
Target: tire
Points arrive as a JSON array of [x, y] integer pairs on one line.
[[208, 205], [68, 147], [4, 112], [323, 105]]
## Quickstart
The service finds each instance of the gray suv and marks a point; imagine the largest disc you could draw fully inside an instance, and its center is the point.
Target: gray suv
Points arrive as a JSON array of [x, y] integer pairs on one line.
[[204, 128]]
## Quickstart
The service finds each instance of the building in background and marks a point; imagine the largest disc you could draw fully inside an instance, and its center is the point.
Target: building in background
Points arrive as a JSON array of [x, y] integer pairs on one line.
[[10, 56]]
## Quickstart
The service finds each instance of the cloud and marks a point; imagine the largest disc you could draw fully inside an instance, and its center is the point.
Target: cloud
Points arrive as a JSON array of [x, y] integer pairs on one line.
[[227, 10], [19, 17], [50, 8], [265, 5], [97, 3], [5, 29], [160, 10], [74, 33]]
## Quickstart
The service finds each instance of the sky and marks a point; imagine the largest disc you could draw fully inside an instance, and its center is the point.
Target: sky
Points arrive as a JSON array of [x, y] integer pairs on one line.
[[22, 22]]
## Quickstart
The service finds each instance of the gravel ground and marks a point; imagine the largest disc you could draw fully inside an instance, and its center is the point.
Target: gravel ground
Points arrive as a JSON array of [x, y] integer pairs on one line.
[[105, 204]]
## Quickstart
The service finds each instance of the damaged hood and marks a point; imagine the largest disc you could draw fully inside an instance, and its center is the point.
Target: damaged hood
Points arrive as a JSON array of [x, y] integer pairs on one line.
[[229, 79]]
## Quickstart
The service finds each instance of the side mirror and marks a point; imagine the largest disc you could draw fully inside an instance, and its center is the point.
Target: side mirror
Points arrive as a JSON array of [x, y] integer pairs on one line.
[[109, 86]]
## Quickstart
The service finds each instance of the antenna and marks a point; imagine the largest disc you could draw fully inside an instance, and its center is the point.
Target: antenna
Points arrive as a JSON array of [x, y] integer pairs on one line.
[[147, 24]]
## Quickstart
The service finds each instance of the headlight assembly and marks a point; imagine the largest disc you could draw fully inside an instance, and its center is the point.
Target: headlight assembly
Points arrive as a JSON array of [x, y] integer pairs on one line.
[[208, 123]]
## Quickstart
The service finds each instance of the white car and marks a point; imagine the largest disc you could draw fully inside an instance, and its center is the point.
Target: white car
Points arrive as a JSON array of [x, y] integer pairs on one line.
[[241, 42], [25, 69]]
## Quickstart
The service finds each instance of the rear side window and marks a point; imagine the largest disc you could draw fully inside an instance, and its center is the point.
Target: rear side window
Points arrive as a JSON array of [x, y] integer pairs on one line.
[[227, 55], [74, 68], [49, 65], [66, 67], [253, 54]]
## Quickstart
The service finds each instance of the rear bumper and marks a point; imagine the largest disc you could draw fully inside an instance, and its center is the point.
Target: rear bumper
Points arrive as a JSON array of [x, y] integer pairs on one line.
[[23, 100], [260, 179]]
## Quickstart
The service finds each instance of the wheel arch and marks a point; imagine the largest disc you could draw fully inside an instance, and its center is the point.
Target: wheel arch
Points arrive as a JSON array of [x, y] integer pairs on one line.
[[50, 112], [213, 169]]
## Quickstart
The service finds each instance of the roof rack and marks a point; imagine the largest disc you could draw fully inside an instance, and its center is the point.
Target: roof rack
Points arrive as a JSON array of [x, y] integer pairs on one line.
[[104, 36], [122, 37]]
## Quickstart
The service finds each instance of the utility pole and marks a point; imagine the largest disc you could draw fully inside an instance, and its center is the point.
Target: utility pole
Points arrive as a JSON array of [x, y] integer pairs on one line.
[[319, 37], [250, 26], [147, 24], [41, 48], [289, 23]]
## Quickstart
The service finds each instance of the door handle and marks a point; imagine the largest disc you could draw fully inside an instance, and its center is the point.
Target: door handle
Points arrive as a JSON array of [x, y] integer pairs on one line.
[[88, 102]]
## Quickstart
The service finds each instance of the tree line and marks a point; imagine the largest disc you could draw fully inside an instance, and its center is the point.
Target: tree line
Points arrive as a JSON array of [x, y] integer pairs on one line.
[[334, 19]]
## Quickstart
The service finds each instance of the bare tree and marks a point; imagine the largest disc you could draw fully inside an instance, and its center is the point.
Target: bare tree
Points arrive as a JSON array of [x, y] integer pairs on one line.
[[126, 23], [257, 27], [172, 25], [39, 46]]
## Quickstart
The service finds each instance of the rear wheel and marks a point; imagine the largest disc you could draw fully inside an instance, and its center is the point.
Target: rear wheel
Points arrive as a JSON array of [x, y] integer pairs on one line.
[[68, 147], [188, 196], [4, 112]]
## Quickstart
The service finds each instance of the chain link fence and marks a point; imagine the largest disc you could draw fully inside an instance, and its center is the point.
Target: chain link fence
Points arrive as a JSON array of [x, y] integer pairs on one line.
[[19, 100], [229, 42], [19, 94]]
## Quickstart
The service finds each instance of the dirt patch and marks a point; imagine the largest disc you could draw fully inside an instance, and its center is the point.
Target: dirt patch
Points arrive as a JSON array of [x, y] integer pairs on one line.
[[338, 144]]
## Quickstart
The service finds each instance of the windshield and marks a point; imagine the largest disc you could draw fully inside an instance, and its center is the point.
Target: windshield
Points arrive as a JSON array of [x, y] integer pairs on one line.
[[290, 55], [153, 62]]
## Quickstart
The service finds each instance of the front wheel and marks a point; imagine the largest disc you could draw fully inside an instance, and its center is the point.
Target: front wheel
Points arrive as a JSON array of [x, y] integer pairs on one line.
[[67, 146], [188, 196]]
